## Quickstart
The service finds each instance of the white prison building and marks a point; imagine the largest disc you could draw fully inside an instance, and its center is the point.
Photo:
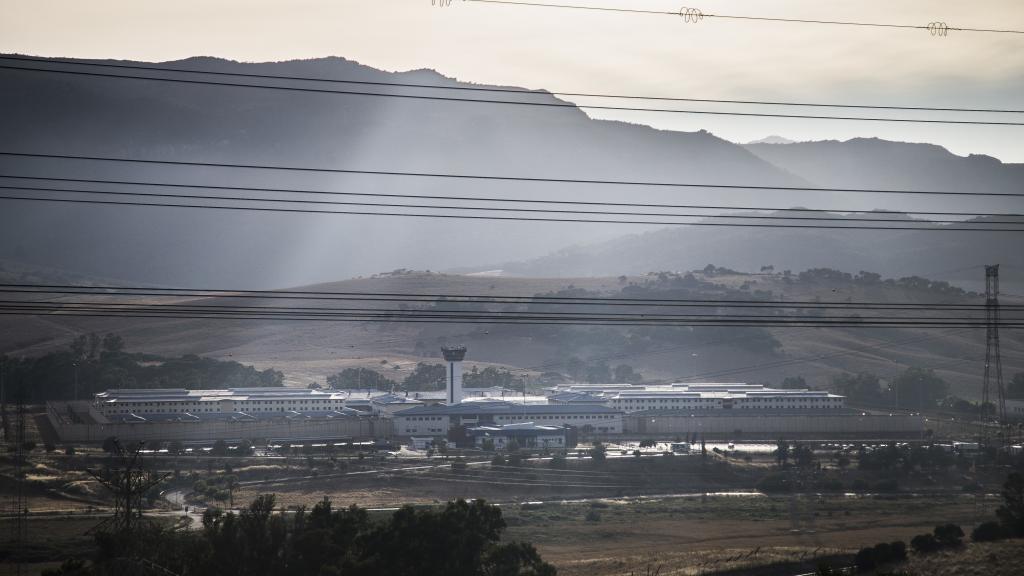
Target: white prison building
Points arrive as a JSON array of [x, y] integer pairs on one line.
[[695, 397]]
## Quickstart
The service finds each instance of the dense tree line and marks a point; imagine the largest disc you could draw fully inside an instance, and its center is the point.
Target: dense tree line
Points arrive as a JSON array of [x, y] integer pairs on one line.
[[491, 376], [862, 278], [861, 387], [424, 376], [95, 363], [600, 372], [588, 340], [461, 538], [913, 389], [350, 378]]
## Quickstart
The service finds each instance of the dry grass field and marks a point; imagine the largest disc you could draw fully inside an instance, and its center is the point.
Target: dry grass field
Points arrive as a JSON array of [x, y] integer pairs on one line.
[[309, 351]]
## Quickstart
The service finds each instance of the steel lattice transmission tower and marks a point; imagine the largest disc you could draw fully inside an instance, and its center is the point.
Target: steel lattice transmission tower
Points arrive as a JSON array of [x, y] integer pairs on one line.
[[18, 510], [993, 362]]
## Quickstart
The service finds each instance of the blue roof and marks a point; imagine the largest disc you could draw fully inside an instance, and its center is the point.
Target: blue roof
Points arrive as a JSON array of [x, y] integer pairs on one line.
[[471, 408]]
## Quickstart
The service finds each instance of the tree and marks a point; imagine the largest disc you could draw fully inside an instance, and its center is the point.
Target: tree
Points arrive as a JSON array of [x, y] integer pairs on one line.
[[988, 532], [220, 448], [113, 344], [624, 373], [924, 543], [863, 386], [917, 388], [598, 453], [793, 383], [109, 444], [1011, 513], [489, 376], [575, 368], [949, 535], [782, 452], [1015, 388], [426, 377], [599, 372], [803, 454], [360, 378], [245, 448], [865, 560]]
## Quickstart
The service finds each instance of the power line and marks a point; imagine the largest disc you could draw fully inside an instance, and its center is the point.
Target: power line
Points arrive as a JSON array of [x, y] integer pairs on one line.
[[496, 178], [107, 312], [694, 15], [501, 218], [474, 314], [515, 102], [473, 198], [473, 298], [502, 209], [499, 90]]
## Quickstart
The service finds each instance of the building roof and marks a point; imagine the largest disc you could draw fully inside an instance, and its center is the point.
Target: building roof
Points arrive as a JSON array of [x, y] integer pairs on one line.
[[471, 408], [576, 397], [710, 390], [236, 394], [517, 428], [234, 416]]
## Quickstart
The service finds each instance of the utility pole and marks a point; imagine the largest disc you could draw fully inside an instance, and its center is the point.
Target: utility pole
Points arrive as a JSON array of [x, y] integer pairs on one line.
[[993, 362], [18, 507], [3, 399]]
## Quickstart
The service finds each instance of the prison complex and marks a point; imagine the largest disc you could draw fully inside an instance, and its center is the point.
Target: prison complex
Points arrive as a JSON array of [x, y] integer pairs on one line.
[[473, 415]]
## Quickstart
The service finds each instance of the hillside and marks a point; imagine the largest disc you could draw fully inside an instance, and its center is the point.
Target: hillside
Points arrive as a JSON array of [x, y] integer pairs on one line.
[[309, 351], [65, 114]]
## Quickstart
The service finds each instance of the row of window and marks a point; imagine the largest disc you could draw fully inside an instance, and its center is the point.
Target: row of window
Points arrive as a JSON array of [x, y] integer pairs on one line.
[[619, 402], [535, 418]]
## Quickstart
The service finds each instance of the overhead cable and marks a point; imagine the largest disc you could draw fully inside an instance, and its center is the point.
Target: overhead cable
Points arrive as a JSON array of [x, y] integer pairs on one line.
[[502, 90], [496, 178]]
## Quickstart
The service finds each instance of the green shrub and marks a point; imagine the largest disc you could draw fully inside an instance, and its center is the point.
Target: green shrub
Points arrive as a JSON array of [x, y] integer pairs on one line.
[[774, 482], [924, 543], [949, 535], [989, 532]]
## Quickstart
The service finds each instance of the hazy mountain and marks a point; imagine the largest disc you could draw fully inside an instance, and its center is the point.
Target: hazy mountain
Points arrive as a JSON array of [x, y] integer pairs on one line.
[[858, 163], [951, 256], [102, 116], [875, 163], [773, 139]]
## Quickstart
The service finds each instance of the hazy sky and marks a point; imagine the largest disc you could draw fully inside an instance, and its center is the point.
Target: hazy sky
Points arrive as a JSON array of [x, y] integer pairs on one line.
[[574, 50]]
